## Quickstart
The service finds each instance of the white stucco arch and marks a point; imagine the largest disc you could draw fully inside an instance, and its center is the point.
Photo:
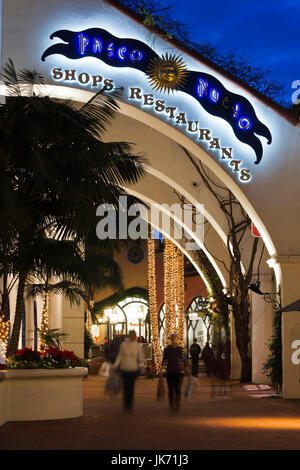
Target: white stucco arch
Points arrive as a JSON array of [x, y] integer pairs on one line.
[[141, 118], [175, 135]]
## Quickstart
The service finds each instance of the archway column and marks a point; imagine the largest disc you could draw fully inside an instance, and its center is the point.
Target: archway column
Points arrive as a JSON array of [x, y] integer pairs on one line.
[[290, 266], [55, 318], [29, 322], [70, 320], [73, 326]]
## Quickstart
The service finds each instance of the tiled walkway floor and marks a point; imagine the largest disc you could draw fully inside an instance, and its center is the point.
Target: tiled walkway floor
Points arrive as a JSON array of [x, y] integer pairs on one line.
[[245, 418]]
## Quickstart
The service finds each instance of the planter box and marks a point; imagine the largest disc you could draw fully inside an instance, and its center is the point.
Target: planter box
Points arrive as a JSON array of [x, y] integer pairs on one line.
[[41, 394]]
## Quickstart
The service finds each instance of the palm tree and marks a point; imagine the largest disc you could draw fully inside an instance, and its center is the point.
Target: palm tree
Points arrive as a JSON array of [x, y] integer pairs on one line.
[[55, 171], [71, 272], [52, 337]]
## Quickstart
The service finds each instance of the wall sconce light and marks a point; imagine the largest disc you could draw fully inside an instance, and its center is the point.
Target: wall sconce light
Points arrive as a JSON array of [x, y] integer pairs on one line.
[[270, 297], [255, 287]]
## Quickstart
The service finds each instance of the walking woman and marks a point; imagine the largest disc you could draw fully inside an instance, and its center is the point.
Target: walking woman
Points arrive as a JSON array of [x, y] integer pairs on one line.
[[174, 361], [130, 360]]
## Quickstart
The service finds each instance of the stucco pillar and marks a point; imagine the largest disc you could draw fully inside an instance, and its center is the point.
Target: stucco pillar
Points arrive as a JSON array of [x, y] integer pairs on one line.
[[55, 312], [235, 360], [73, 326], [290, 266], [261, 325], [29, 323]]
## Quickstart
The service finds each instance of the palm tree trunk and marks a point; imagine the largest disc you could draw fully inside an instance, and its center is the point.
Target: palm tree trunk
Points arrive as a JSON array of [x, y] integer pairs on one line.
[[14, 340], [5, 298]]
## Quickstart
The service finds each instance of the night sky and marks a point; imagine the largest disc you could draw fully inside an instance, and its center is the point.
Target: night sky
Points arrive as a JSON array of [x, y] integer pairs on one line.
[[265, 32]]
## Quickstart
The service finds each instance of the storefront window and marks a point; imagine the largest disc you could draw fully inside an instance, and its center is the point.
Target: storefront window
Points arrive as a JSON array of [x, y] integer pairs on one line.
[[194, 324], [161, 325], [194, 327]]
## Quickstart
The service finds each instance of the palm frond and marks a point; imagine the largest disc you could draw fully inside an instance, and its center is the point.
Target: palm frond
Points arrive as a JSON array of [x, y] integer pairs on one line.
[[52, 337], [10, 78], [72, 291], [99, 111], [15, 81], [35, 290], [32, 77], [117, 297]]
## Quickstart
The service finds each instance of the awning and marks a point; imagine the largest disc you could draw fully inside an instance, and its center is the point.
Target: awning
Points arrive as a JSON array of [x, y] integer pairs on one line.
[[293, 307]]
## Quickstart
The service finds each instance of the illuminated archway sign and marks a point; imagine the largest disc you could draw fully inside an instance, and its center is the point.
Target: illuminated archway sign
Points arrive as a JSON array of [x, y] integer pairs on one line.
[[166, 74]]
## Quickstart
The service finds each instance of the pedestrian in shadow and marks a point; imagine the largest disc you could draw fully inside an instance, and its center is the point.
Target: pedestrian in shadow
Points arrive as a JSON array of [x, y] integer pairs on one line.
[[114, 347], [174, 361], [195, 351], [209, 359], [222, 374], [107, 349], [130, 361]]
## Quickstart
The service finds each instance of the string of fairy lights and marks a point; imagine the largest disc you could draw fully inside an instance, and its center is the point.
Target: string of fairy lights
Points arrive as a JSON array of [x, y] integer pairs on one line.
[[170, 313], [4, 329], [89, 321], [173, 292], [173, 296], [180, 293], [153, 305]]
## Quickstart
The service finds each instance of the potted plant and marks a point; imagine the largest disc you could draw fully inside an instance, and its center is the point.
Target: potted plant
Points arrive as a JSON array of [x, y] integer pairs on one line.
[[41, 385]]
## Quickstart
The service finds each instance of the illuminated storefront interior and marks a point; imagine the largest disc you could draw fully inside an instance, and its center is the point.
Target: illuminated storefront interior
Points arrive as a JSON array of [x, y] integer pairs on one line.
[[129, 314]]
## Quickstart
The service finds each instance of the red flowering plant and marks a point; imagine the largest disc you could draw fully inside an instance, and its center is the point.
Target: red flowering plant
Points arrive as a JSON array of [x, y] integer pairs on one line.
[[28, 354], [59, 358], [52, 358], [25, 358]]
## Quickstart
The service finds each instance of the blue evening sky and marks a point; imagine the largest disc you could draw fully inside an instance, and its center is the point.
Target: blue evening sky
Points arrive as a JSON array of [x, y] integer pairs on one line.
[[266, 32]]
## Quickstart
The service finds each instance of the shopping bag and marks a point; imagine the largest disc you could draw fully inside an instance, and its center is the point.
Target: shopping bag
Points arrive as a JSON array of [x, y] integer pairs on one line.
[[104, 369], [160, 392], [114, 383], [192, 390], [187, 386]]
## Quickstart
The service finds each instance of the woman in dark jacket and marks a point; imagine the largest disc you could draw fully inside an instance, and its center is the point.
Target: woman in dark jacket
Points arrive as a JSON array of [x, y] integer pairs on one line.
[[174, 361]]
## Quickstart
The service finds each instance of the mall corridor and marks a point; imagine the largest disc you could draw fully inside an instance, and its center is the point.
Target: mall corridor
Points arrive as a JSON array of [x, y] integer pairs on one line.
[[237, 417]]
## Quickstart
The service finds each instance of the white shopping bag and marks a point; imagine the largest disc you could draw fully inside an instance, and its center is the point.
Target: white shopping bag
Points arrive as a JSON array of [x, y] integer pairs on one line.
[[192, 390], [187, 386], [104, 369], [114, 383]]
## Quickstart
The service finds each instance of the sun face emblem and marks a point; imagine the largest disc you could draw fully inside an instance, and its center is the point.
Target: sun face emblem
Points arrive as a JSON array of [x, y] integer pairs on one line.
[[167, 73]]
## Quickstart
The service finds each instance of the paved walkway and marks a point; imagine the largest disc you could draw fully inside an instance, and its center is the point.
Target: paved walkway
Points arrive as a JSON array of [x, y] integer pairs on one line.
[[245, 418]]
